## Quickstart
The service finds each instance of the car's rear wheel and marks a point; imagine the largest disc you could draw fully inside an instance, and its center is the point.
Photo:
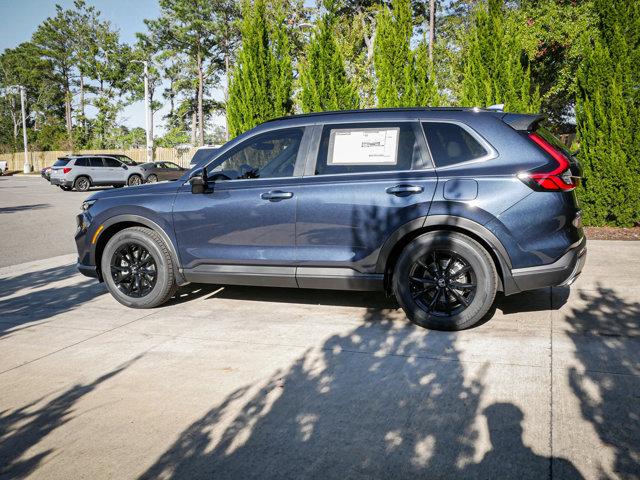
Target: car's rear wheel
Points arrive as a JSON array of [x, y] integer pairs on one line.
[[134, 180], [445, 281], [82, 184], [152, 178], [137, 268]]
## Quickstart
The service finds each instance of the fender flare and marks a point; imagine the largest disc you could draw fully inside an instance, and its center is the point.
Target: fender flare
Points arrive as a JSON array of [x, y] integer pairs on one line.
[[156, 228], [432, 222]]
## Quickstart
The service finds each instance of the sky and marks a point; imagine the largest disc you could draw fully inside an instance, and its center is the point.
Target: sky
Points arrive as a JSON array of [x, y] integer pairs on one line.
[[20, 18]]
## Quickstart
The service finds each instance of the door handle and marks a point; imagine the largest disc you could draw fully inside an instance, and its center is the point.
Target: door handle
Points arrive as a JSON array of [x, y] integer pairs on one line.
[[404, 190], [276, 195]]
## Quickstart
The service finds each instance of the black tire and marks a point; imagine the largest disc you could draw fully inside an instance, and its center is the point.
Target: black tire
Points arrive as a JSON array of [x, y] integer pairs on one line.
[[65, 188], [118, 185], [434, 277], [152, 178], [82, 184], [134, 180], [120, 271]]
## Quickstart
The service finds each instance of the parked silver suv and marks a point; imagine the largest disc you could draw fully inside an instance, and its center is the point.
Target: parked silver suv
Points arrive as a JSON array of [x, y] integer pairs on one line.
[[80, 172]]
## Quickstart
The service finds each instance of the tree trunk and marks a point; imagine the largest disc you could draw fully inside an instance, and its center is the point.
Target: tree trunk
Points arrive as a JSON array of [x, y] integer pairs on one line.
[[226, 95], [194, 126], [200, 106], [82, 101], [67, 112], [432, 27]]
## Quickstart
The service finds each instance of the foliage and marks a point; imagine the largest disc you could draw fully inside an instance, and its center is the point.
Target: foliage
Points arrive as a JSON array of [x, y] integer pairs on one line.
[[607, 119], [496, 70], [323, 78], [261, 82]]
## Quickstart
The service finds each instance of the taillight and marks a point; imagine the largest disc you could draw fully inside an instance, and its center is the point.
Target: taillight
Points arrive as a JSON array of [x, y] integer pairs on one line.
[[556, 179], [66, 169]]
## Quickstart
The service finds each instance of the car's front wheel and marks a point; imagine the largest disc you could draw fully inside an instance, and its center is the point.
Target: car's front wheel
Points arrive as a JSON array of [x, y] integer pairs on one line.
[[134, 180], [445, 281], [137, 268]]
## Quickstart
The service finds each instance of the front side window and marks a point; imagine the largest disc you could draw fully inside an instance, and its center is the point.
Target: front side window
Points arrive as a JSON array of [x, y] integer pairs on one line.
[[367, 148], [111, 163], [270, 155], [450, 144], [170, 166]]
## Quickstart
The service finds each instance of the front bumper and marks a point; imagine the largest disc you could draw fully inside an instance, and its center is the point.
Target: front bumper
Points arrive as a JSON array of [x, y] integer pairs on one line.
[[562, 272], [87, 270]]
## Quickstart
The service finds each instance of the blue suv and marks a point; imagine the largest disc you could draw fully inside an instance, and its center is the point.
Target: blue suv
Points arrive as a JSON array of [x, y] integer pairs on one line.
[[441, 207]]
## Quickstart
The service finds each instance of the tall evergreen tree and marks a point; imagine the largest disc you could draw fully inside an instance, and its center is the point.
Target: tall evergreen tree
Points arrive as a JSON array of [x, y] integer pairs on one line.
[[494, 71], [323, 78], [261, 82], [607, 107], [393, 58]]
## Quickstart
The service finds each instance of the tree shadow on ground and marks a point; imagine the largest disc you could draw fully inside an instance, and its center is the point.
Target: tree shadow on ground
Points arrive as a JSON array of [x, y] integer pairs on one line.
[[21, 208], [23, 428], [605, 330], [385, 400]]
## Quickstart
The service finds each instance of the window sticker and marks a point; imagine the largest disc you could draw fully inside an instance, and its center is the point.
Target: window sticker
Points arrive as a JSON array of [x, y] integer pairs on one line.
[[363, 146]]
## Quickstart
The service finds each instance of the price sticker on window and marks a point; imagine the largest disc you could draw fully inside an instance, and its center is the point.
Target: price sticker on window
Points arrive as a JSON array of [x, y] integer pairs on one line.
[[363, 146]]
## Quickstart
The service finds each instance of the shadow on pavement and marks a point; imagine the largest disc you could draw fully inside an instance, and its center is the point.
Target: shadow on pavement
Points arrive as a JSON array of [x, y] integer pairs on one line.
[[24, 428], [605, 331], [38, 303], [20, 208], [386, 400]]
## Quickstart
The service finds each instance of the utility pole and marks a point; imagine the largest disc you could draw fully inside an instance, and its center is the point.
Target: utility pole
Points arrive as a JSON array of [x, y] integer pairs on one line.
[[23, 100], [147, 110]]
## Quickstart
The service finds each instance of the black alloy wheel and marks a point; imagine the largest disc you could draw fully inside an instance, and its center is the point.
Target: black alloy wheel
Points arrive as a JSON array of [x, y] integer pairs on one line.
[[442, 283], [134, 270]]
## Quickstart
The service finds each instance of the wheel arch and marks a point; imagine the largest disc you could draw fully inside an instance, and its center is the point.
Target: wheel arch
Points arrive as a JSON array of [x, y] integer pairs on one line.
[[119, 223], [391, 250]]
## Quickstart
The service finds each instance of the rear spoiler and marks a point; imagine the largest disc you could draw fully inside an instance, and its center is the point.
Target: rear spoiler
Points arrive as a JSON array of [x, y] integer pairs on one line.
[[522, 121]]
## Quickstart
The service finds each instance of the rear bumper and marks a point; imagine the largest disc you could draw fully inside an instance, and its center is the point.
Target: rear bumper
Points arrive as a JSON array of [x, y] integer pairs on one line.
[[59, 181], [559, 273]]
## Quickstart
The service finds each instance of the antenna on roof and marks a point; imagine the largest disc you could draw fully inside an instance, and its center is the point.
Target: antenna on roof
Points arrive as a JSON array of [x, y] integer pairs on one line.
[[499, 107]]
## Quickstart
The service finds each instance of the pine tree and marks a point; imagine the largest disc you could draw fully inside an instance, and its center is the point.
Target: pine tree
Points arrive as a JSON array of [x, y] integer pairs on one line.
[[323, 78], [426, 88], [495, 68], [261, 82]]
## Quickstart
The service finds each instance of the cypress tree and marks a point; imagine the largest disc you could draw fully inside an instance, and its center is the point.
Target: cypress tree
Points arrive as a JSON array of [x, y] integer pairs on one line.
[[261, 82], [323, 78], [393, 59], [606, 118], [495, 69]]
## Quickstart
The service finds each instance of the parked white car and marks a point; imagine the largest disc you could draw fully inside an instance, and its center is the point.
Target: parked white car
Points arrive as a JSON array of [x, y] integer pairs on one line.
[[81, 172]]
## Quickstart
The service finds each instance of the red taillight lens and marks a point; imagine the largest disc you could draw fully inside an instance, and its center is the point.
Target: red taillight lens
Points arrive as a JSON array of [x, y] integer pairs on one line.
[[66, 170], [559, 178]]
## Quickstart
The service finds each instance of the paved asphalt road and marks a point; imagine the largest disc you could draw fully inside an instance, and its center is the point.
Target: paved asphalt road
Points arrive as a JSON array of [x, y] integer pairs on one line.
[[37, 220], [242, 382]]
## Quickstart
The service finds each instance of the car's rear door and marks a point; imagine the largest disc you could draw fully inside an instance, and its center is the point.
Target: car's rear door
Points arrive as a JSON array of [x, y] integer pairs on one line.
[[363, 182], [114, 171], [243, 230]]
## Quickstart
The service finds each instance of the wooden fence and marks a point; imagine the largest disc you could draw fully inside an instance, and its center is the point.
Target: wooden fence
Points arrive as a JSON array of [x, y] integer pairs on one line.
[[39, 160]]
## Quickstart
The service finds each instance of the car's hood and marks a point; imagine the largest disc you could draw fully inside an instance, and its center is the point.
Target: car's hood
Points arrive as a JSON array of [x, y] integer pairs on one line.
[[145, 189]]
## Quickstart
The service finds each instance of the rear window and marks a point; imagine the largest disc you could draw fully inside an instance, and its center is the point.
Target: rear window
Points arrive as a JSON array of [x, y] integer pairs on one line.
[[450, 144], [61, 162]]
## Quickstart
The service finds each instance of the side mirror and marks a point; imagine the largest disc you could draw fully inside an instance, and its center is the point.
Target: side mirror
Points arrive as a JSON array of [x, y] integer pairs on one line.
[[199, 182]]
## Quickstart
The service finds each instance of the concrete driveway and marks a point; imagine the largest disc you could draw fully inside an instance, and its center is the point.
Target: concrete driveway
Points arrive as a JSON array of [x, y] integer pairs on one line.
[[235, 382]]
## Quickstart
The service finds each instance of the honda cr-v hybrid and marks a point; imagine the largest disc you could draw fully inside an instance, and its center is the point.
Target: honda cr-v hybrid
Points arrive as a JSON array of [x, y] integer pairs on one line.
[[440, 207]]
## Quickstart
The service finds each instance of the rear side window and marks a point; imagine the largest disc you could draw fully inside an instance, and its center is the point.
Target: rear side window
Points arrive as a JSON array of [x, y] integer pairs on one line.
[[379, 147], [81, 162], [61, 162], [450, 144]]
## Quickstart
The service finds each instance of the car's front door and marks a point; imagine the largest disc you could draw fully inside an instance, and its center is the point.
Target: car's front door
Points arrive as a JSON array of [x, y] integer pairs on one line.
[[367, 181], [244, 228], [114, 171]]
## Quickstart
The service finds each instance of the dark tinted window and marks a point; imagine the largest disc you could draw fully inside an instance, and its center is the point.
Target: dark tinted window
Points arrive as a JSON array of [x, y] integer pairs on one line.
[[126, 160], [450, 144], [367, 147], [269, 155], [203, 155], [96, 162], [81, 162], [61, 162], [111, 163]]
